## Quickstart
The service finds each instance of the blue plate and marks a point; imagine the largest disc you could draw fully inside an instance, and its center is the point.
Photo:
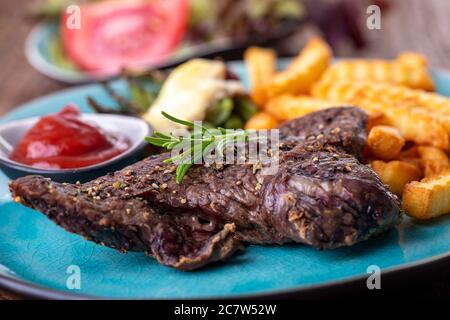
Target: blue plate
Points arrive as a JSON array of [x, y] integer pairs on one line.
[[38, 258], [37, 51]]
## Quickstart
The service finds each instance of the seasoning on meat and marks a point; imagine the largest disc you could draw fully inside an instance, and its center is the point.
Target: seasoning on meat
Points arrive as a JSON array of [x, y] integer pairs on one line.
[[321, 195]]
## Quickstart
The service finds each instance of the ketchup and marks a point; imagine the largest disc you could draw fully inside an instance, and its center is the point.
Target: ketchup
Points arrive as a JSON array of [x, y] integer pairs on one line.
[[63, 140]]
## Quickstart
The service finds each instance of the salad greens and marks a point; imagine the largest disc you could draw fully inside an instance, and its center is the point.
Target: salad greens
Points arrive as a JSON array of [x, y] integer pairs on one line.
[[57, 56], [231, 113], [220, 112], [143, 88]]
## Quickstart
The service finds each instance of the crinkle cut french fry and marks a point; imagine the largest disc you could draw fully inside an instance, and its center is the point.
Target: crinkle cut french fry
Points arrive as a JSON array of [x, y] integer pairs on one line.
[[408, 69], [261, 120], [428, 198], [418, 127], [433, 160], [411, 152], [411, 155], [288, 107], [385, 142], [412, 59], [434, 116], [386, 93], [396, 174], [444, 119], [261, 67], [414, 123], [303, 72], [376, 118]]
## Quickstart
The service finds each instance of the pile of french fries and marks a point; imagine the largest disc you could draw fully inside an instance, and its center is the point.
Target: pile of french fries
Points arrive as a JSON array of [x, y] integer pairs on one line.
[[409, 127]]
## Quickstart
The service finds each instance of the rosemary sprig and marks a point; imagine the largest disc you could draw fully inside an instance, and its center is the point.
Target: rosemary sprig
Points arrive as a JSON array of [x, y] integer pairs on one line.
[[196, 145]]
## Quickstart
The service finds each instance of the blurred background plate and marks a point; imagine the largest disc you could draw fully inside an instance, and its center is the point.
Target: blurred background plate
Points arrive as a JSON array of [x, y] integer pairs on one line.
[[36, 252], [43, 48], [37, 51], [193, 28]]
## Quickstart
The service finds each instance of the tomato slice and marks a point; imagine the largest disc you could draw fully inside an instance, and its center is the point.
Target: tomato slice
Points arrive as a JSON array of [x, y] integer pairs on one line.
[[125, 33]]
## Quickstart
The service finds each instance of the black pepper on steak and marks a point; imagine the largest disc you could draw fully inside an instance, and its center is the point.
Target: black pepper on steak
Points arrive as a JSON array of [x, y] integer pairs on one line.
[[321, 196]]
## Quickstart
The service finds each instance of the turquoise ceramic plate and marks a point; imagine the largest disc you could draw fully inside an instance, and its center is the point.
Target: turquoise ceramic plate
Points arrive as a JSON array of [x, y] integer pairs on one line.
[[35, 254]]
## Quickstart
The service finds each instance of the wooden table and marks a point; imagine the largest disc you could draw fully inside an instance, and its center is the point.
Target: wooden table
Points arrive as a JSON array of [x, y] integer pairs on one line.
[[417, 25], [19, 81]]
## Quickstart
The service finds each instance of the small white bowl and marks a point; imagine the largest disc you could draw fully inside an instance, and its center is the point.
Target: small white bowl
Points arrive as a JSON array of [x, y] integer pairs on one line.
[[135, 129]]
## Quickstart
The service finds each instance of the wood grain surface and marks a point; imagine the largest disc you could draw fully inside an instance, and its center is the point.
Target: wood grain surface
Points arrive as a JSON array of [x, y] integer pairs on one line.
[[418, 25]]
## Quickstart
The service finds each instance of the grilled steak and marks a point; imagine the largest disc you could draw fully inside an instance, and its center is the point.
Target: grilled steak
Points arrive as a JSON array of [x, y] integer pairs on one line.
[[321, 195]]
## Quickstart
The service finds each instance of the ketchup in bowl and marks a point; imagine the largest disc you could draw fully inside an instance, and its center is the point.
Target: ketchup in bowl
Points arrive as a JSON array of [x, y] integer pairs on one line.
[[64, 141]]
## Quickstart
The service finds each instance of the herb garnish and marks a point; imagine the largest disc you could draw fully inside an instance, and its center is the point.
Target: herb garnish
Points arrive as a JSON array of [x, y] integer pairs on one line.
[[196, 145]]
